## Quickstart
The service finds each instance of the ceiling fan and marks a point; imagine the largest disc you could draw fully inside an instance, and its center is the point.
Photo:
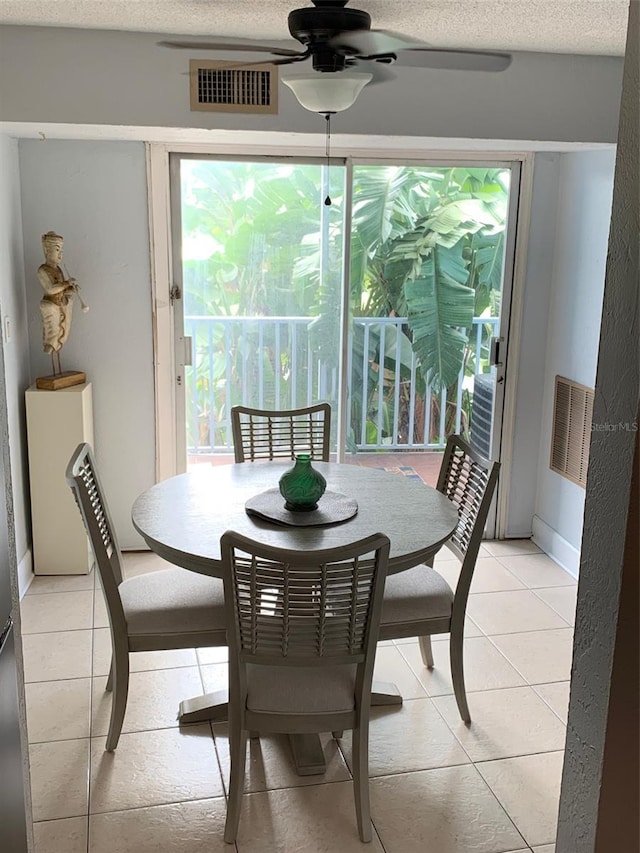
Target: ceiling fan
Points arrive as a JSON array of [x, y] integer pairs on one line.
[[346, 54]]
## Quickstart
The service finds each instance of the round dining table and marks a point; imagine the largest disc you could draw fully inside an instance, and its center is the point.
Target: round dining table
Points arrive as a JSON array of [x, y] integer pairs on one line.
[[182, 519]]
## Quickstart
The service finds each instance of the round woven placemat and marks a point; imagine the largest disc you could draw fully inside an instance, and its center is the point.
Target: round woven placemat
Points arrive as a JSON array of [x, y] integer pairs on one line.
[[332, 509]]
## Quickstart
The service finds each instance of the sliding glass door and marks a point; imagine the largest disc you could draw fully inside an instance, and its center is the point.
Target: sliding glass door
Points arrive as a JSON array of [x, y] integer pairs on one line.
[[427, 272], [258, 323], [390, 302]]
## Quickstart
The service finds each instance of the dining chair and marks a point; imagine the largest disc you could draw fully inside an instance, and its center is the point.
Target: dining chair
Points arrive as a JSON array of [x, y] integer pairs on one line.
[[265, 434], [419, 602], [167, 609], [302, 634]]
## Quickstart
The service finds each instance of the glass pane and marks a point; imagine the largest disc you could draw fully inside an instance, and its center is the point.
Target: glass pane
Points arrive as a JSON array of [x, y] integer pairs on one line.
[[262, 272], [427, 252]]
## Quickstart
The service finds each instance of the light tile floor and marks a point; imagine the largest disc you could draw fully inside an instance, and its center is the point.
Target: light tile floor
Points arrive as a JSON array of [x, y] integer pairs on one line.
[[435, 784]]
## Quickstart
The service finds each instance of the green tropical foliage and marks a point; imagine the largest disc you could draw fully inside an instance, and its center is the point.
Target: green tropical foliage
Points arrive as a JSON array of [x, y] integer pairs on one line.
[[426, 244], [422, 212], [248, 232]]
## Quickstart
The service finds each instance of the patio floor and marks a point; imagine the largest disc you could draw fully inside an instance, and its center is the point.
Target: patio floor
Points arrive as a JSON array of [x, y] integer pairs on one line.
[[426, 463]]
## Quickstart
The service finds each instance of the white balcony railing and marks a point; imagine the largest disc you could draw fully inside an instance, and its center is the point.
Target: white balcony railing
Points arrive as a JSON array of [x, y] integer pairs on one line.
[[274, 363]]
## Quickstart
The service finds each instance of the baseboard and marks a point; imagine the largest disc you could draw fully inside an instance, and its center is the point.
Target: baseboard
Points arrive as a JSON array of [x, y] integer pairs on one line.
[[25, 573], [556, 546]]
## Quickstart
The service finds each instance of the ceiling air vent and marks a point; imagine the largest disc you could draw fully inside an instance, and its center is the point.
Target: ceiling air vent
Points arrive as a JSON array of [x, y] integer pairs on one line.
[[228, 87], [572, 415]]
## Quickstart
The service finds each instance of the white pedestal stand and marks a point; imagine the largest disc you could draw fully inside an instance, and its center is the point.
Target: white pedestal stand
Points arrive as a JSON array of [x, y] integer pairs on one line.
[[57, 421]]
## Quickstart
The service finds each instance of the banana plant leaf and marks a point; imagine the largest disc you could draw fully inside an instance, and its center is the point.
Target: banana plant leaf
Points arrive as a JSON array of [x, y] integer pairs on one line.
[[440, 309], [488, 253]]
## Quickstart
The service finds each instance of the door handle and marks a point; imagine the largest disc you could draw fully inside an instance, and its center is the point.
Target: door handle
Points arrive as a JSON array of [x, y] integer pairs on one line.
[[494, 350], [188, 351]]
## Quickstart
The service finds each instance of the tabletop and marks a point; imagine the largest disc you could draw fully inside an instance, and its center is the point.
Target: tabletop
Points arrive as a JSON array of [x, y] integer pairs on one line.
[[183, 518]]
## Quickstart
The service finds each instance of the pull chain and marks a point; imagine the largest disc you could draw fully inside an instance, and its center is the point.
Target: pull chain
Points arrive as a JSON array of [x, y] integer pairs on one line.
[[327, 116]]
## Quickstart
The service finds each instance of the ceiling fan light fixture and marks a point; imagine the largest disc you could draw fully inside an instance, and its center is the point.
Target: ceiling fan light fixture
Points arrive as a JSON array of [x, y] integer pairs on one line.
[[322, 92]]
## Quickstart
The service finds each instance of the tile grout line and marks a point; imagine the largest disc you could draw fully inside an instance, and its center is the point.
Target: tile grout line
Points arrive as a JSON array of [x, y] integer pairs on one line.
[[517, 757], [571, 624], [520, 673], [129, 809], [378, 836], [507, 815], [502, 654], [56, 592], [524, 588], [530, 631], [527, 631], [533, 687], [62, 631], [484, 782], [435, 637], [441, 715], [486, 689], [459, 742], [213, 734], [506, 568]]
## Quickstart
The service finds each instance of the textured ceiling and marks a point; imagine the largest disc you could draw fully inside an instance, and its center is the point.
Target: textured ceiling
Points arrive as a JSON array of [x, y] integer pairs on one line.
[[558, 26]]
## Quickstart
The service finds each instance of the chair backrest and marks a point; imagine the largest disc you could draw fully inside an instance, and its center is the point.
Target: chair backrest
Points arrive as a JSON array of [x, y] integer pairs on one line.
[[469, 481], [265, 434], [82, 478], [303, 609]]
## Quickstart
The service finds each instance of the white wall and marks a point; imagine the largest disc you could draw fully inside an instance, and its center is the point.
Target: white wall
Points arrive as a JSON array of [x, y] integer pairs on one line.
[[94, 194], [77, 76], [585, 187], [532, 352], [13, 309]]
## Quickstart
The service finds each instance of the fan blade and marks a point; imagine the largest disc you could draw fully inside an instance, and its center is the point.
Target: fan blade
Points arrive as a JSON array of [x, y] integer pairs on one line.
[[287, 60], [372, 43], [239, 65], [221, 46], [380, 73], [455, 60]]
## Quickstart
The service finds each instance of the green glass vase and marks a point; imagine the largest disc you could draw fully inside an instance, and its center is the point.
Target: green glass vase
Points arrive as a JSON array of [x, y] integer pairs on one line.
[[302, 486]]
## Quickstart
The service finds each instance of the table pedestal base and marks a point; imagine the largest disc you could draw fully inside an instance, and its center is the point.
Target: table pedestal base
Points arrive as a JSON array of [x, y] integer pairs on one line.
[[308, 755], [211, 706], [385, 693]]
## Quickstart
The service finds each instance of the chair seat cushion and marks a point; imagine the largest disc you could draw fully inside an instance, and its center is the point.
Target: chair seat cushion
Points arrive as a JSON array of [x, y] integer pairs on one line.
[[418, 594], [299, 689], [173, 601]]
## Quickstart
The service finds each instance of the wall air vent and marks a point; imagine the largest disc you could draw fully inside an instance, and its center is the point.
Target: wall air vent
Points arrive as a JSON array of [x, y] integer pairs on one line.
[[572, 415], [228, 87]]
